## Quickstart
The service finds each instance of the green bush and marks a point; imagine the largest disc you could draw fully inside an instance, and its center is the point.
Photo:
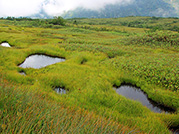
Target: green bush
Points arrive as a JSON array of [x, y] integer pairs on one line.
[[57, 21]]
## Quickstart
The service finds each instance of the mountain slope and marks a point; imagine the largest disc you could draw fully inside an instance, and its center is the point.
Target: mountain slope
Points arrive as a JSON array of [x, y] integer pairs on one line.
[[159, 8]]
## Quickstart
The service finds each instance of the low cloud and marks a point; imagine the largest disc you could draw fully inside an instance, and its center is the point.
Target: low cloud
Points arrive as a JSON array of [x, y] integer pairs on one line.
[[161, 13], [19, 8], [53, 7]]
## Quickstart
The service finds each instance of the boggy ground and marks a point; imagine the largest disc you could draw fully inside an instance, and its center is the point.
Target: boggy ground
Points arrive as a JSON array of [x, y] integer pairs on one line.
[[96, 60]]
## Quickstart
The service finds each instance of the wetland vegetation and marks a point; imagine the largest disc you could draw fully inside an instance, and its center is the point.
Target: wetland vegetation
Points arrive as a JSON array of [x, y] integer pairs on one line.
[[99, 54]]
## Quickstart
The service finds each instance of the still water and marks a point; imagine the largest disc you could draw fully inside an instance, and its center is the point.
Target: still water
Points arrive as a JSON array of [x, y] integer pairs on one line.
[[39, 61], [137, 94], [22, 73], [5, 44], [60, 90]]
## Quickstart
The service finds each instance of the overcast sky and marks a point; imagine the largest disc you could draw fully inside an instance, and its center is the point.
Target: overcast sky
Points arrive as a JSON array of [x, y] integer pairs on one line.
[[19, 8]]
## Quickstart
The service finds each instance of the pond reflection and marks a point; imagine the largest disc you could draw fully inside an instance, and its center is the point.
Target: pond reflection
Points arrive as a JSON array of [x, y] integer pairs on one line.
[[5, 44], [175, 130], [60, 90], [39, 61], [137, 94], [22, 73]]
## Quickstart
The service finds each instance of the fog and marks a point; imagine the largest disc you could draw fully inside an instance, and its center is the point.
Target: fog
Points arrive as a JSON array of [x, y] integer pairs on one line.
[[19, 8]]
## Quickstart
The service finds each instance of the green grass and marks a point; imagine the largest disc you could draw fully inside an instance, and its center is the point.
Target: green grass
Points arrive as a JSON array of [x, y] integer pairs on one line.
[[97, 57], [152, 23], [27, 112]]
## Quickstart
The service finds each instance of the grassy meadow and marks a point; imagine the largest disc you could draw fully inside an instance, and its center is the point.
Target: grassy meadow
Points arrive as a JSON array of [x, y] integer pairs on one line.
[[100, 54]]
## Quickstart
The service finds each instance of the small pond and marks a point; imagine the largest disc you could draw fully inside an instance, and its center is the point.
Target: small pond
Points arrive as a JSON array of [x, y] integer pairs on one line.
[[137, 94], [38, 61], [5, 44], [22, 73], [60, 90]]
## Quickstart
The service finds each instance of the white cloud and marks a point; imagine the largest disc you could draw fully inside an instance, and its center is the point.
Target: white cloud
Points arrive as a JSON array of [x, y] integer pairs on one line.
[[18, 8], [58, 6]]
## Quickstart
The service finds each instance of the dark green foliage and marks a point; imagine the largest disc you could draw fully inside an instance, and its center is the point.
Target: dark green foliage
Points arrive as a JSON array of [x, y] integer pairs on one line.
[[28, 22], [57, 21], [10, 18]]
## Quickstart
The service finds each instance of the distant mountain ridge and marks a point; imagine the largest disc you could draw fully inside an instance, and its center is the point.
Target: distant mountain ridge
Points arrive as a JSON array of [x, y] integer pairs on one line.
[[158, 8]]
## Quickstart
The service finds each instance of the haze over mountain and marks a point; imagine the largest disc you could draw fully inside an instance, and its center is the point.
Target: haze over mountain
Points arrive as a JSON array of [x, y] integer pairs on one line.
[[88, 9], [22, 8], [158, 8]]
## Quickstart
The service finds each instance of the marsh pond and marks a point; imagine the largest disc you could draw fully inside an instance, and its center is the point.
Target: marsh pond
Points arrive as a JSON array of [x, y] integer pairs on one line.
[[60, 90], [5, 44], [137, 94], [39, 61]]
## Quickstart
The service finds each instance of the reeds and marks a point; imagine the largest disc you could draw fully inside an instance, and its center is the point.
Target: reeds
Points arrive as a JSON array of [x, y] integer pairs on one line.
[[24, 112]]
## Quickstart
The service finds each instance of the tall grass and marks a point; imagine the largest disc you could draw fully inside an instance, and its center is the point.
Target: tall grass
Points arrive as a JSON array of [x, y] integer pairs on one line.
[[23, 111]]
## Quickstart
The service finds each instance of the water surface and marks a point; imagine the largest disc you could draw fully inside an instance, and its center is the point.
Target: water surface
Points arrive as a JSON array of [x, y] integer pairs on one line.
[[39, 61], [137, 94], [22, 73], [60, 90], [5, 44], [175, 130]]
